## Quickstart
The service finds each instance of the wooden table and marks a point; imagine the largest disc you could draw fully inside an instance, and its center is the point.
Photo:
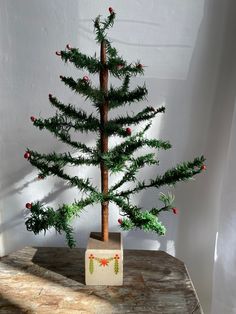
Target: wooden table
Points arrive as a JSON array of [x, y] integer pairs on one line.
[[51, 280]]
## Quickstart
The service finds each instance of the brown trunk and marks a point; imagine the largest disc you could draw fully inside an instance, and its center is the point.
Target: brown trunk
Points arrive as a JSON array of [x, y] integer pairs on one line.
[[104, 142]]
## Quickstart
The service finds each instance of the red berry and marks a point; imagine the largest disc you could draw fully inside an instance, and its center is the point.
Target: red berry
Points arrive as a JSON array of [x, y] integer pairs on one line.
[[27, 155], [128, 131], [140, 66], [110, 10], [28, 205], [175, 210], [32, 118], [120, 221], [120, 66], [61, 77], [40, 177], [86, 78], [68, 47], [203, 167], [58, 53]]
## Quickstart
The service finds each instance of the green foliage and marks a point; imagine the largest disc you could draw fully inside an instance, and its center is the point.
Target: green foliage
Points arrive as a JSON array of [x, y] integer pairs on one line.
[[80, 116], [146, 114], [115, 159], [101, 26], [69, 120], [81, 61], [182, 172], [137, 218], [120, 96]]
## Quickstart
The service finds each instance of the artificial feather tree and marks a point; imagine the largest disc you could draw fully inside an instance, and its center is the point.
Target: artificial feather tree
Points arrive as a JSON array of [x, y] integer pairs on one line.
[[118, 159]]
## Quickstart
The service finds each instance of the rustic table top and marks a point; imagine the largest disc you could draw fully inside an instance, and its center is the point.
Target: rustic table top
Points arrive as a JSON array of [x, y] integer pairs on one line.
[[51, 280]]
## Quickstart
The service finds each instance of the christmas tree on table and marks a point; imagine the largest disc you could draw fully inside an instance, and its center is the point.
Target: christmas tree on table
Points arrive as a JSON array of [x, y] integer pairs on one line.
[[118, 159]]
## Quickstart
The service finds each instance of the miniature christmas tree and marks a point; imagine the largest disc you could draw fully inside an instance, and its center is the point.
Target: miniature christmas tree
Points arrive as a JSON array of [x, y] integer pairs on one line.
[[118, 159]]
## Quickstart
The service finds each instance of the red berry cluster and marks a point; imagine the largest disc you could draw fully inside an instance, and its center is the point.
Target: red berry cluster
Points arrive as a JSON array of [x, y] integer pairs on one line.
[[91, 256], [116, 257], [120, 221]]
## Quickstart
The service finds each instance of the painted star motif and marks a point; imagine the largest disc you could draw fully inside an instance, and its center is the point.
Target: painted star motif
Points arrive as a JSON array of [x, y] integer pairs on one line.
[[103, 262]]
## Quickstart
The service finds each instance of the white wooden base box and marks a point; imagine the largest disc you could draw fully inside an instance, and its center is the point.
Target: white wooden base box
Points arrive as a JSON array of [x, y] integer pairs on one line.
[[104, 260]]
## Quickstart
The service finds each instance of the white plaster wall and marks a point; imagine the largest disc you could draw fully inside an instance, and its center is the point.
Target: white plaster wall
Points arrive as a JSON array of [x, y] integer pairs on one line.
[[181, 44]]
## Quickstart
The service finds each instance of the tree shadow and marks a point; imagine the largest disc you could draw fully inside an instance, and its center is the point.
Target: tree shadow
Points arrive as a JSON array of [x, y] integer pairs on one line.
[[9, 306], [52, 260], [61, 266]]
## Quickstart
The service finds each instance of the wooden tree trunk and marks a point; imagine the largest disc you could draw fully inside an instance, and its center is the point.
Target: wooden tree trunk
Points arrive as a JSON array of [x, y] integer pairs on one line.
[[104, 142]]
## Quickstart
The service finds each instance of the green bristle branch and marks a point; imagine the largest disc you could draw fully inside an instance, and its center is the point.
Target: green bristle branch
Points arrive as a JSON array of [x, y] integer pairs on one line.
[[63, 122], [117, 97], [181, 172], [81, 61], [84, 88], [135, 165], [56, 170], [62, 159], [72, 112], [137, 218], [146, 114], [64, 137]]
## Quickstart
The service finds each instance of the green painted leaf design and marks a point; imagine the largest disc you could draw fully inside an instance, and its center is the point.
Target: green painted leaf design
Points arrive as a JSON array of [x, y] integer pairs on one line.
[[91, 266], [116, 266]]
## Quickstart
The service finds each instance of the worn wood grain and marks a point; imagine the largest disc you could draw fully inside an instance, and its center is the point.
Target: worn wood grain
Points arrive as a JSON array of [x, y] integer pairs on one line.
[[51, 280]]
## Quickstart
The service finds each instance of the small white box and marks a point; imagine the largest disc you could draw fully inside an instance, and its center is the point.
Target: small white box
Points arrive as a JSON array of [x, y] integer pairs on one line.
[[104, 260]]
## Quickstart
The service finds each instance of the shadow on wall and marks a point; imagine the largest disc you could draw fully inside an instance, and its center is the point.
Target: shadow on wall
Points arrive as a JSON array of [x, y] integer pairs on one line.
[[50, 197]]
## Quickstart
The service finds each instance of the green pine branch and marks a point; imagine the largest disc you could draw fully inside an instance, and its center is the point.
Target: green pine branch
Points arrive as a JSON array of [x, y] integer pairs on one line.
[[72, 112], [116, 157], [81, 61], [119, 97], [63, 136], [100, 27], [146, 114], [84, 88], [62, 122], [62, 159], [182, 172], [43, 218], [135, 165], [116, 126], [168, 200], [138, 218], [47, 168], [119, 68]]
